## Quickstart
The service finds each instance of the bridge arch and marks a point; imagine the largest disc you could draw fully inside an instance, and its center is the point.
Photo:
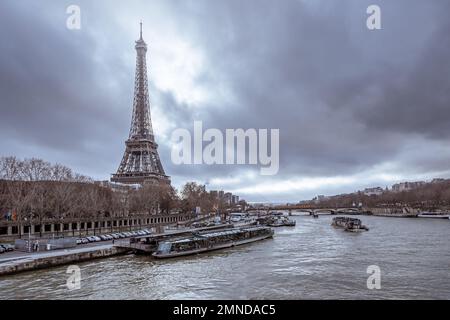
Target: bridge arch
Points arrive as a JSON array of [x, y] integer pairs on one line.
[[325, 210]]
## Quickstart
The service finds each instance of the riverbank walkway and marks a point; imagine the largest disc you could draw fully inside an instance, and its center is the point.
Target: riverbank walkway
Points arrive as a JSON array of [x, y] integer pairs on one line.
[[17, 261]]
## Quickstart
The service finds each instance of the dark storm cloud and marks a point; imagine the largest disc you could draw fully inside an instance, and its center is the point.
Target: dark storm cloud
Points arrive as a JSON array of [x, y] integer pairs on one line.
[[346, 99], [417, 100], [50, 96]]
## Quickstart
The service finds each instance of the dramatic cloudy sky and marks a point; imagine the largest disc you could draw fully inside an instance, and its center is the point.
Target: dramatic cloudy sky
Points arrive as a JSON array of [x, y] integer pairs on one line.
[[355, 107]]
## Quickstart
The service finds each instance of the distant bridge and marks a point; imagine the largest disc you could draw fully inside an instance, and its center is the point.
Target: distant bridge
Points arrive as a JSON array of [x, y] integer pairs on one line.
[[393, 210], [311, 209]]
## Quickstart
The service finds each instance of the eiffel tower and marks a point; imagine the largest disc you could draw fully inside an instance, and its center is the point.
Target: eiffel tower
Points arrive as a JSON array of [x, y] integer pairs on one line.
[[140, 163]]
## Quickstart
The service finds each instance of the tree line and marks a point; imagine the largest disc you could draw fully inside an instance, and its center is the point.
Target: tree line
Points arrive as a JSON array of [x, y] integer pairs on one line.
[[430, 196], [36, 190]]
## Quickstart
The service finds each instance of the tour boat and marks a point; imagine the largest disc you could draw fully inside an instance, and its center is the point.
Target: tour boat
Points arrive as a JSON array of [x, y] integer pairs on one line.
[[207, 241], [281, 222], [349, 224]]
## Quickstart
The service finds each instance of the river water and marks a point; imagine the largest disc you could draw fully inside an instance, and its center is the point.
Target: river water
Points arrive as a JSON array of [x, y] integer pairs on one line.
[[309, 261]]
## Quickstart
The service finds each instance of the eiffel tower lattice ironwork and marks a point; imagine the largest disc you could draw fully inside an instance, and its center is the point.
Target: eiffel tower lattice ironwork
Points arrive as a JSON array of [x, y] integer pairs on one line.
[[140, 162]]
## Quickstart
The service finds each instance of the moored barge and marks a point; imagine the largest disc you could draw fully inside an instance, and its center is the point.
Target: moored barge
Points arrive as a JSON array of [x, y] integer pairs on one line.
[[208, 241]]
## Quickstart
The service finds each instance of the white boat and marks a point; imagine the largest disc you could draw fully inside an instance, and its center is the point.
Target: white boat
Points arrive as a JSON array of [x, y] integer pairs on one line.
[[434, 215], [300, 213], [242, 219], [395, 215], [323, 213], [237, 217]]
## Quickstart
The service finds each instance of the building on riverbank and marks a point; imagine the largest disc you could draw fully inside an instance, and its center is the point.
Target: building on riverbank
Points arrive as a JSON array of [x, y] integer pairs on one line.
[[407, 186]]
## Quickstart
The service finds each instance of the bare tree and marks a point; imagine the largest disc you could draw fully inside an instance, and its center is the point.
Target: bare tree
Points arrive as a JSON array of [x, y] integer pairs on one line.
[[195, 195], [9, 168]]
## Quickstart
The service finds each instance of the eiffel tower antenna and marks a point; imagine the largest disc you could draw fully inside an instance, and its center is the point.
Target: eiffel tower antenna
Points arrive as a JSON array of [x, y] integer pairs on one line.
[[140, 162]]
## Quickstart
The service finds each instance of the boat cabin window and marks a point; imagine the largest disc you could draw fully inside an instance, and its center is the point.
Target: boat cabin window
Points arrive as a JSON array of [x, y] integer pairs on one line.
[[164, 247]]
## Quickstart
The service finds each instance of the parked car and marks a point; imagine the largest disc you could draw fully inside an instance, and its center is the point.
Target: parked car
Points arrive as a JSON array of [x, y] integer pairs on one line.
[[110, 237], [84, 240], [103, 237], [127, 234], [93, 239], [79, 241], [7, 247], [115, 236], [2, 250], [122, 235]]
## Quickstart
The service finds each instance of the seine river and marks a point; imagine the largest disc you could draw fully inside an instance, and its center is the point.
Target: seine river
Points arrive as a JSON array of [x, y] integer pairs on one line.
[[310, 261]]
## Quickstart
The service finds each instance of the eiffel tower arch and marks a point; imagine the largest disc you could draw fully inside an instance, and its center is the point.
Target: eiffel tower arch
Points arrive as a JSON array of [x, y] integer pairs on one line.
[[140, 162]]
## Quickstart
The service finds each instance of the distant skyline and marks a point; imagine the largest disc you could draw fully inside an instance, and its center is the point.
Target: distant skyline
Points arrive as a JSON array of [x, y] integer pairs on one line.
[[355, 108]]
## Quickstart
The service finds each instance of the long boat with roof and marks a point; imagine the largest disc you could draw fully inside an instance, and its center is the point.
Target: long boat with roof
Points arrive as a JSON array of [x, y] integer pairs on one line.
[[207, 241]]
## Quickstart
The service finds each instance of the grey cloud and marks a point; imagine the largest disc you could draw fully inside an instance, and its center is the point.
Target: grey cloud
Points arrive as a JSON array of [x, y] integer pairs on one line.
[[346, 99]]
